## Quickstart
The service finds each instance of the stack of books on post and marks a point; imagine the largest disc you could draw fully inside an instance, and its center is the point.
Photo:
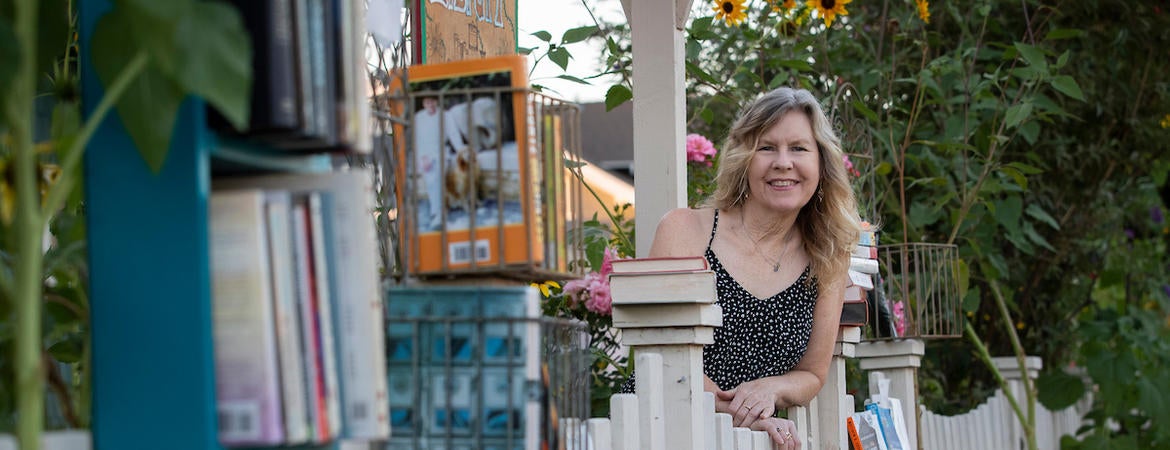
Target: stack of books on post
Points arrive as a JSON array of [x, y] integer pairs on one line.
[[863, 270], [464, 363], [663, 292], [297, 310]]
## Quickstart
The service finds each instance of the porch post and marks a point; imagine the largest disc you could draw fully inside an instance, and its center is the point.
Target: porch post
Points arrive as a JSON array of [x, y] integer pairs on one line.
[[660, 176]]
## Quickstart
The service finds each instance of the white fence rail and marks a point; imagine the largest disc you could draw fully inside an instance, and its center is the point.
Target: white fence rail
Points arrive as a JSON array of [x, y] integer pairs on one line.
[[993, 424]]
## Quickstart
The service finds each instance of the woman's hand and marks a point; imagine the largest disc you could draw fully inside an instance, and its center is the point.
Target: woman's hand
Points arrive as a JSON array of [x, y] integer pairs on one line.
[[782, 431], [749, 402]]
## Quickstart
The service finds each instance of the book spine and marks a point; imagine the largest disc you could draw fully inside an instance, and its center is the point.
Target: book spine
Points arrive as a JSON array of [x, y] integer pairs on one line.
[[247, 383], [326, 283], [359, 315], [311, 332], [288, 330]]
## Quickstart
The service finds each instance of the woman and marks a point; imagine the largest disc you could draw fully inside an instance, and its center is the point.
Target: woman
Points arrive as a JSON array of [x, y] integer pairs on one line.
[[777, 232]]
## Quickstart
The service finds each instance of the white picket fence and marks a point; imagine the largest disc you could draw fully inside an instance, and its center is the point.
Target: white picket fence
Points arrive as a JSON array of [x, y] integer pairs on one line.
[[629, 428], [993, 424]]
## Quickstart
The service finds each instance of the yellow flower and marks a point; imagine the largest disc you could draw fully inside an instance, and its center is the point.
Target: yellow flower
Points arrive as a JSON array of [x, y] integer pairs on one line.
[[785, 5], [1166, 121], [923, 10], [546, 287], [730, 11], [829, 9], [1019, 325]]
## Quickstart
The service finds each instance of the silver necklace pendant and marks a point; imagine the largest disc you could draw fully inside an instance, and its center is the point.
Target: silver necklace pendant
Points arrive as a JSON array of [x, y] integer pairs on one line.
[[776, 267]]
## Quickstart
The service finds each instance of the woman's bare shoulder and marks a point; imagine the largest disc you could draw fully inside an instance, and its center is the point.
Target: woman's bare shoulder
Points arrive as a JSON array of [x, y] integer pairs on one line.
[[682, 232]]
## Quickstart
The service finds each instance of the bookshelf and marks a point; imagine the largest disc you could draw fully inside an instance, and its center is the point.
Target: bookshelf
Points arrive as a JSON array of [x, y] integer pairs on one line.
[[151, 308]]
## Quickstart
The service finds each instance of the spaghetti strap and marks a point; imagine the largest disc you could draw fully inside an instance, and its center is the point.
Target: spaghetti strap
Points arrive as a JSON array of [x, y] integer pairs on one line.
[[714, 225]]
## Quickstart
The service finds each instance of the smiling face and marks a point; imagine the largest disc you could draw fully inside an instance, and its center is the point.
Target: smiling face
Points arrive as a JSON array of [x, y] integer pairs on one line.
[[786, 166]]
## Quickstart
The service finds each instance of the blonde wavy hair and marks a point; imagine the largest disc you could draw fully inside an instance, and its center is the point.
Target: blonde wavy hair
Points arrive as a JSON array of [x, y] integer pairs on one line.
[[829, 222]]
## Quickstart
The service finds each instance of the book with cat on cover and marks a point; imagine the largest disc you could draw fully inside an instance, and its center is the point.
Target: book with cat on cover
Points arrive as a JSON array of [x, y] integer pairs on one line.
[[468, 180]]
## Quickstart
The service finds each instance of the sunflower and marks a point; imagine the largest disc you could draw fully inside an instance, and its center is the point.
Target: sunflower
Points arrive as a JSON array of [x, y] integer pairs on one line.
[[730, 11], [546, 287], [829, 9], [923, 10]]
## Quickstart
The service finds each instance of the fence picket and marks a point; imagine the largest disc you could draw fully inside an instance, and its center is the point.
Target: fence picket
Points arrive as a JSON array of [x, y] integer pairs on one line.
[[743, 438], [600, 437], [724, 438], [623, 412]]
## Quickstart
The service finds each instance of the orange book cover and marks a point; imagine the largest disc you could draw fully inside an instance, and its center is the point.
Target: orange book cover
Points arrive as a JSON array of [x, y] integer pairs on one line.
[[854, 437], [466, 191]]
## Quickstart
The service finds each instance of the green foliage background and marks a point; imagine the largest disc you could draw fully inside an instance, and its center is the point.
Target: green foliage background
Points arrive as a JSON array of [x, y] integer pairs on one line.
[[1032, 134]]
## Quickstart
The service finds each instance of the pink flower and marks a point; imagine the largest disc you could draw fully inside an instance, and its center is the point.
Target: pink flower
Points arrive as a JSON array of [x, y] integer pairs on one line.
[[573, 290], [700, 149], [599, 300], [849, 166], [900, 318], [607, 261]]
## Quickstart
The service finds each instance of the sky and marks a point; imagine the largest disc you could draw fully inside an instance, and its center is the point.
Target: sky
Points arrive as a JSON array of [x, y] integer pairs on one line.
[[556, 16]]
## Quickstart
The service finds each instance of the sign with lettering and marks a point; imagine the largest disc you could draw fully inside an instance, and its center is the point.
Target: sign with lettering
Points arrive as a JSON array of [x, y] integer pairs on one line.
[[456, 30]]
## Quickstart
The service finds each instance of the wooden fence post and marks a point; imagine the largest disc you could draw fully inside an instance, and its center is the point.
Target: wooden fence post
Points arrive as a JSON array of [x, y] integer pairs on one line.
[[899, 360]]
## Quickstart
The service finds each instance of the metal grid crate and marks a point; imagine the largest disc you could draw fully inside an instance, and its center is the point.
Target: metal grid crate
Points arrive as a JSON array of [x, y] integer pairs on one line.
[[476, 368]]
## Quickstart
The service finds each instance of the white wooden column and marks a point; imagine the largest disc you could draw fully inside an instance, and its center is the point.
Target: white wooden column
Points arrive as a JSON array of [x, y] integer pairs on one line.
[[899, 360], [659, 52]]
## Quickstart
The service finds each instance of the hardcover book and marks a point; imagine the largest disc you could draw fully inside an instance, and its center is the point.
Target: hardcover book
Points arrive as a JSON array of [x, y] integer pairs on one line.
[[467, 179]]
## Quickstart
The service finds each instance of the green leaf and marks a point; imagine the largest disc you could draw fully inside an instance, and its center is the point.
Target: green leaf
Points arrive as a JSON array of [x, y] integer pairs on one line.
[[1018, 177], [1059, 390], [525, 50], [578, 34], [1063, 33], [560, 55], [218, 65], [1035, 237], [797, 64], [860, 107], [698, 72], [701, 27], [1038, 213], [151, 102], [1032, 55], [1068, 86], [67, 351], [707, 115], [1017, 113], [1026, 168], [971, 300], [543, 35], [53, 32], [963, 275], [573, 79], [571, 164], [616, 95], [1030, 131], [1008, 212]]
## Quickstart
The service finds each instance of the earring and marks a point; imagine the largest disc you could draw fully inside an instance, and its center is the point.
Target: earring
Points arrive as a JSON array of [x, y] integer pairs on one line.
[[820, 195]]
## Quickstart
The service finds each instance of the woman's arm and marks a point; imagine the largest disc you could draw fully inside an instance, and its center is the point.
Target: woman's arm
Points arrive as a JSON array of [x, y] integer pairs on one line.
[[763, 397]]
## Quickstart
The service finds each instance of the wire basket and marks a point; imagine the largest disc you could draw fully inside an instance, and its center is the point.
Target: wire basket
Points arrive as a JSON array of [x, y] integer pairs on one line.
[[917, 293], [500, 383], [489, 201]]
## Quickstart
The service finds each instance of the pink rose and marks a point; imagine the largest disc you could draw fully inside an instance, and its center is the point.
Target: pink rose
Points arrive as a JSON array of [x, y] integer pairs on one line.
[[599, 300], [700, 149]]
